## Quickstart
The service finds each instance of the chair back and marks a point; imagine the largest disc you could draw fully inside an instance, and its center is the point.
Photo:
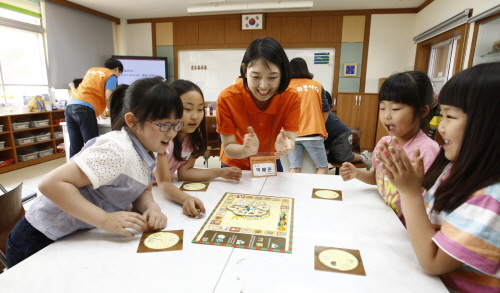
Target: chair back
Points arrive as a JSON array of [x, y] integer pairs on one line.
[[212, 135], [356, 137], [11, 211]]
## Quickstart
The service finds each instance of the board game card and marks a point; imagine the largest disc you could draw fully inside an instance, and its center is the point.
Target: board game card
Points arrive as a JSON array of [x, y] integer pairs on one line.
[[194, 186], [339, 260], [161, 241], [327, 194]]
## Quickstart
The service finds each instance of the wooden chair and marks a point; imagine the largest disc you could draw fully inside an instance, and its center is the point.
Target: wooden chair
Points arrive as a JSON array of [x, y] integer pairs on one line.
[[11, 211], [356, 136], [213, 142]]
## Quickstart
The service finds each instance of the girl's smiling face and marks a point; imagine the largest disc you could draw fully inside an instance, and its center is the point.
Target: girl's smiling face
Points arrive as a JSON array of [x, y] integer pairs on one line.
[[452, 128], [398, 120], [263, 81], [194, 111], [149, 134]]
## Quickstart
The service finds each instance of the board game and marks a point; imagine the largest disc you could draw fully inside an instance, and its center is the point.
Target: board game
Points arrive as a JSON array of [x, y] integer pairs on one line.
[[251, 222]]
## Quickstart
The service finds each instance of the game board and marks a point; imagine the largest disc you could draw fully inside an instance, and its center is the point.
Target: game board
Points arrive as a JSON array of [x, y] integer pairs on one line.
[[250, 221]]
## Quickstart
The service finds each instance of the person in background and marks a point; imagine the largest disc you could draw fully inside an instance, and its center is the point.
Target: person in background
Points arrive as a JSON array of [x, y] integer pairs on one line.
[[261, 114], [112, 171], [455, 228], [406, 104], [338, 145], [178, 161], [89, 101], [74, 84], [312, 132]]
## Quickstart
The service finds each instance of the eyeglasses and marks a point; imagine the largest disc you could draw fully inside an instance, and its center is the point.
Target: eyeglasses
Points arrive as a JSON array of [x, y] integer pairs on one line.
[[166, 126]]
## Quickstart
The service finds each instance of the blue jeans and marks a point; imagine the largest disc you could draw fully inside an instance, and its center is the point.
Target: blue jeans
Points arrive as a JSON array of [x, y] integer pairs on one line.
[[24, 241], [82, 126], [279, 167]]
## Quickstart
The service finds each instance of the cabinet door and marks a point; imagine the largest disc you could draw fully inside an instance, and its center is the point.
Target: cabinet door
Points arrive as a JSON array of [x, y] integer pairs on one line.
[[347, 109], [367, 119]]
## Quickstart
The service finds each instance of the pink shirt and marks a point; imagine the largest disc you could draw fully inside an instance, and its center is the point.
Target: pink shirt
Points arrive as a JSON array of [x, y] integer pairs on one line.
[[428, 148], [173, 164]]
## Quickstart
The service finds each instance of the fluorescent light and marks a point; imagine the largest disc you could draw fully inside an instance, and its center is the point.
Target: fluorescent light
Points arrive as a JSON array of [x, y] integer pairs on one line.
[[251, 6], [281, 5]]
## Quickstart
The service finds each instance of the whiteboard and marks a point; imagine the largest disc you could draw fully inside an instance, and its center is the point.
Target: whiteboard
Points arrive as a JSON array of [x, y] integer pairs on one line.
[[214, 70]]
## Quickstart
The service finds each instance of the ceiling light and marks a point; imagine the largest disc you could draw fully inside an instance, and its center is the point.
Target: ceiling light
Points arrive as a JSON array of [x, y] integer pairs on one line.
[[251, 6]]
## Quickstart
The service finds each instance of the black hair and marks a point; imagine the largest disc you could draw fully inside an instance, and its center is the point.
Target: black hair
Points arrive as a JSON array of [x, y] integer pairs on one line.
[[413, 88], [77, 82], [147, 98], [112, 63], [328, 98], [269, 51], [199, 136], [476, 91], [298, 69]]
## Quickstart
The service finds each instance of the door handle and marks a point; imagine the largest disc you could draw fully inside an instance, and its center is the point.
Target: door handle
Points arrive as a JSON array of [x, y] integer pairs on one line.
[[357, 97], [360, 98]]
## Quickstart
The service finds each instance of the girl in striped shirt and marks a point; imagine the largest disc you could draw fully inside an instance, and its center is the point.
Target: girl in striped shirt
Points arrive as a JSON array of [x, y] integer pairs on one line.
[[455, 227]]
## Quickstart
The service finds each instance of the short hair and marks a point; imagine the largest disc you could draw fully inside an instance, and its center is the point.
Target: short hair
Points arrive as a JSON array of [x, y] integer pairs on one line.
[[269, 51], [77, 81], [298, 69], [413, 88], [112, 63]]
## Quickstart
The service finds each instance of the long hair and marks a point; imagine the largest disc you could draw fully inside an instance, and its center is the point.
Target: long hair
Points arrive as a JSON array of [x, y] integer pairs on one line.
[[147, 98], [199, 136], [413, 88], [477, 92], [299, 69], [269, 51]]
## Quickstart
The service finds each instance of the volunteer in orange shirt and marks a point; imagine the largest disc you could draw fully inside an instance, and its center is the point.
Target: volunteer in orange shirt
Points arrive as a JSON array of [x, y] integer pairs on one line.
[[89, 101], [312, 132], [261, 114]]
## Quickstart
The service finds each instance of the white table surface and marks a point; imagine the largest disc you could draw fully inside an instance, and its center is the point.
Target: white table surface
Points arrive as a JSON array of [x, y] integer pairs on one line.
[[96, 261]]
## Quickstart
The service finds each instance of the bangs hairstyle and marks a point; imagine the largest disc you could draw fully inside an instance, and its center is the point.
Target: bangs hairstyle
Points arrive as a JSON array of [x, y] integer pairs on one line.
[[199, 136], [298, 69], [147, 98], [477, 92], [412, 88], [269, 51]]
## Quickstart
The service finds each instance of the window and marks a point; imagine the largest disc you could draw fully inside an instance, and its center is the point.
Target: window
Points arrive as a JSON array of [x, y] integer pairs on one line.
[[441, 62], [23, 70]]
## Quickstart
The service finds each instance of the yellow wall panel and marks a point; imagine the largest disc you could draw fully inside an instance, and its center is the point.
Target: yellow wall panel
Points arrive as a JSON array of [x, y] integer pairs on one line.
[[353, 29], [164, 34]]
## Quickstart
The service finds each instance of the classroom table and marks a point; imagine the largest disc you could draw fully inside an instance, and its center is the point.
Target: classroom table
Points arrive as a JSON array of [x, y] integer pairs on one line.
[[96, 261]]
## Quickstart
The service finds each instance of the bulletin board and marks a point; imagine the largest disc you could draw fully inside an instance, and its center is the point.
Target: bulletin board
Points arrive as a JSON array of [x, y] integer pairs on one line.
[[214, 70]]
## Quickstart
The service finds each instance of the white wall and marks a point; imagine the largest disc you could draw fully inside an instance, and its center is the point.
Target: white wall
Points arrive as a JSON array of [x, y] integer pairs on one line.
[[391, 47], [138, 39]]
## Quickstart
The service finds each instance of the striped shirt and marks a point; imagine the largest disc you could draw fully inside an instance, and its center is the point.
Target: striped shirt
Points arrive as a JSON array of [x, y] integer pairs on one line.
[[470, 234]]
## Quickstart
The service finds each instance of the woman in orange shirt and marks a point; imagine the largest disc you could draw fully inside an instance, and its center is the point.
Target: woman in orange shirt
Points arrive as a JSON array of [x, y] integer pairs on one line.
[[261, 114]]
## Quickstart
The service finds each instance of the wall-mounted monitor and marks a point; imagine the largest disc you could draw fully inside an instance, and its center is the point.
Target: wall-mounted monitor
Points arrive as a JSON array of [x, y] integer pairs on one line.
[[137, 67]]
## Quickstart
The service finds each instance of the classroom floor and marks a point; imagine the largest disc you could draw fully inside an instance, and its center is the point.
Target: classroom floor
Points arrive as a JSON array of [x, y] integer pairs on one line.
[[32, 174]]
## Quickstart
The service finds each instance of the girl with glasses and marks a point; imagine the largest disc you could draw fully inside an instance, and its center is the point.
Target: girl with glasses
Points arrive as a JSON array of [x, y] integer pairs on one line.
[[112, 171]]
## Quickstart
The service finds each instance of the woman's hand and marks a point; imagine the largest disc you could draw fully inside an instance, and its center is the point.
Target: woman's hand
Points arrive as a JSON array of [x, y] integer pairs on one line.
[[250, 143], [283, 144], [405, 175], [233, 173]]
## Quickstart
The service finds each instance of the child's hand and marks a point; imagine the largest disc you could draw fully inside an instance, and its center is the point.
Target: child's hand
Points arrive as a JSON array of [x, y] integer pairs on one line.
[[193, 207], [156, 219], [348, 171], [250, 143], [233, 173], [119, 222], [283, 144], [401, 172]]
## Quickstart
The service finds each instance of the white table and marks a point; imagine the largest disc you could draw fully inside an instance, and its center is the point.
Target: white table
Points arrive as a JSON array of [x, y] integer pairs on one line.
[[96, 261]]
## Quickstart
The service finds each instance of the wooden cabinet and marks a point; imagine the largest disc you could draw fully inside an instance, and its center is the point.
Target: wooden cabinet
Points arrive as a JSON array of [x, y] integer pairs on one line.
[[37, 135], [360, 110]]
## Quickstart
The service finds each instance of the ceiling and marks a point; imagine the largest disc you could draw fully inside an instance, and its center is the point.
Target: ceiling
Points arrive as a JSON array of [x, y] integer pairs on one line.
[[140, 9]]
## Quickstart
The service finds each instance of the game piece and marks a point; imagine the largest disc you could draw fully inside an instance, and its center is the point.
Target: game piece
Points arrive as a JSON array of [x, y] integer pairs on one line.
[[338, 260], [327, 194], [161, 241], [194, 186]]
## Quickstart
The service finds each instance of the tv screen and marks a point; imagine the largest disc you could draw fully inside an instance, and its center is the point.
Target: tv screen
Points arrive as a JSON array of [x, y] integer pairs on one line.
[[137, 67]]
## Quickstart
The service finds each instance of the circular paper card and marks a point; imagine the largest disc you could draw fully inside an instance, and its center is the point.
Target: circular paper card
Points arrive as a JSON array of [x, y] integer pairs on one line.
[[194, 186], [161, 240], [327, 194], [338, 259], [249, 208]]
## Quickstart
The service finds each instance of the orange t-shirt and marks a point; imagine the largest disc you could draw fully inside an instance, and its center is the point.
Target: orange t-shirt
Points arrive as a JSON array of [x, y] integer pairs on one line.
[[92, 88], [236, 111], [311, 113]]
